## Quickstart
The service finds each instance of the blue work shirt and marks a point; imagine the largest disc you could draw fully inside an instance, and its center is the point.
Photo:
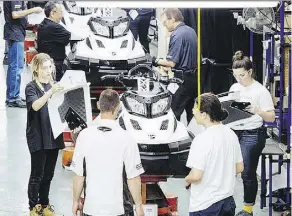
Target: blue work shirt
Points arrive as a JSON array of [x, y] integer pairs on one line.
[[183, 48], [14, 29]]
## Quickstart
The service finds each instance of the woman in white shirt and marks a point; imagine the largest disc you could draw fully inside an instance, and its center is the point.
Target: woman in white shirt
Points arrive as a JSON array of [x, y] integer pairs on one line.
[[215, 159], [251, 132]]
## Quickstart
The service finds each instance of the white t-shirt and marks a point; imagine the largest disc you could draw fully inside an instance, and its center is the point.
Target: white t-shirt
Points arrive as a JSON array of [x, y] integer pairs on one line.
[[105, 154], [257, 95], [216, 152]]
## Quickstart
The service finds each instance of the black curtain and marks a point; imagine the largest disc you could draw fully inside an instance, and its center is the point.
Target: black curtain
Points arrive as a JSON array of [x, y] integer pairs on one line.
[[221, 37]]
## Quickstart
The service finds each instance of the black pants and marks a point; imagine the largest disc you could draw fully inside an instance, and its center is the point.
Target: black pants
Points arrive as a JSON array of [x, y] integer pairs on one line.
[[225, 207], [140, 27], [60, 69], [43, 165], [252, 142], [184, 97]]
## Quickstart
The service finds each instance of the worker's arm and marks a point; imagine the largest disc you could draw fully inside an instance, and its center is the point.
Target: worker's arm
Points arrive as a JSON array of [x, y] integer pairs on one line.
[[265, 107], [195, 175], [239, 167], [24, 13], [134, 169], [268, 116], [32, 99], [39, 103], [165, 63], [197, 160], [134, 185], [78, 184], [17, 12], [78, 166]]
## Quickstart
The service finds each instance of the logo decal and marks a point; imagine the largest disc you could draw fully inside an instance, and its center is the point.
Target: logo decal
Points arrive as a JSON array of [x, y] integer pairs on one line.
[[152, 136], [139, 166]]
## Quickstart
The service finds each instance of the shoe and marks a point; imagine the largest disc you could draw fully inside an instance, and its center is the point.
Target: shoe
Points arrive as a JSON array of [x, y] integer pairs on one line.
[[17, 103], [22, 99], [49, 211], [5, 60], [37, 211], [243, 213]]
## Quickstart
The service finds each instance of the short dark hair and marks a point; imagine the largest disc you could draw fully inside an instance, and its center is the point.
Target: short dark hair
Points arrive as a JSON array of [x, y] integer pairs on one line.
[[211, 105], [108, 100], [174, 13], [49, 7]]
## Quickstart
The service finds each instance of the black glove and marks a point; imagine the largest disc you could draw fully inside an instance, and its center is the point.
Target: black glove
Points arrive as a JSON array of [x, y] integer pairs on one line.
[[154, 61]]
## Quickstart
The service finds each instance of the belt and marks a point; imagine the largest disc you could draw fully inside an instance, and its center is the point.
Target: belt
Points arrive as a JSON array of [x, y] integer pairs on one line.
[[256, 130], [190, 71], [181, 74]]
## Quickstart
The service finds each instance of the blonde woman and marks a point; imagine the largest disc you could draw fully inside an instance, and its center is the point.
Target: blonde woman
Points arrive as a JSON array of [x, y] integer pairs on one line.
[[41, 143]]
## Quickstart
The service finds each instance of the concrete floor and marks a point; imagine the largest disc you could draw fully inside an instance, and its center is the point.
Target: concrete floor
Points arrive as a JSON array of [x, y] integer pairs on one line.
[[15, 165]]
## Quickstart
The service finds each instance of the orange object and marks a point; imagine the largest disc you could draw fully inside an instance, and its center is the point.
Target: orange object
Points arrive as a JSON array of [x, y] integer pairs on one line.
[[67, 136], [172, 201], [29, 56], [164, 211], [28, 44], [67, 156]]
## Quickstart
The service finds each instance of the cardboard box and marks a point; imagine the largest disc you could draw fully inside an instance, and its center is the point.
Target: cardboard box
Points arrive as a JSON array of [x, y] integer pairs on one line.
[[149, 210]]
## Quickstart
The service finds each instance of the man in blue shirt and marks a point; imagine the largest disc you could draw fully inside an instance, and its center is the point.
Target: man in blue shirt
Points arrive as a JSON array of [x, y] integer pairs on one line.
[[182, 56], [14, 33]]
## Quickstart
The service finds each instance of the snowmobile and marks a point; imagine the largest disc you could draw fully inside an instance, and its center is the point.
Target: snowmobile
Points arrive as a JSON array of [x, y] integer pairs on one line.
[[164, 142], [108, 48]]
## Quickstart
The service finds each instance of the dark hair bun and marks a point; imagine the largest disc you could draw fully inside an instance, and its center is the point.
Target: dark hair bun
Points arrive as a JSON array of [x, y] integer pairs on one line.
[[224, 115], [239, 55]]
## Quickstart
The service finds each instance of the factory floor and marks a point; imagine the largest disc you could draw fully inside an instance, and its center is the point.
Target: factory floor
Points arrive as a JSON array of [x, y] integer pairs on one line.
[[15, 164]]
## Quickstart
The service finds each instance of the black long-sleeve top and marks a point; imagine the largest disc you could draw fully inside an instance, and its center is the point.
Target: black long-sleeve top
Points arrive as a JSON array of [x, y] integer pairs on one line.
[[52, 39]]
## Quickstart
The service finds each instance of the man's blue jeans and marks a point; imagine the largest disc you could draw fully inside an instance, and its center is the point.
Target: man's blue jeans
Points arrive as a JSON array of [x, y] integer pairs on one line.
[[15, 67], [252, 142]]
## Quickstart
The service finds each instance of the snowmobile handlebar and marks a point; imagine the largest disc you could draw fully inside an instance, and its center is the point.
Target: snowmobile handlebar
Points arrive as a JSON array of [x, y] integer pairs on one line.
[[144, 66], [122, 76], [109, 77], [176, 80]]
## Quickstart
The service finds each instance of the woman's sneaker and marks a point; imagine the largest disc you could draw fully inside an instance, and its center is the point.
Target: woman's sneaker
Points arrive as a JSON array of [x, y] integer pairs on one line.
[[49, 211], [37, 211]]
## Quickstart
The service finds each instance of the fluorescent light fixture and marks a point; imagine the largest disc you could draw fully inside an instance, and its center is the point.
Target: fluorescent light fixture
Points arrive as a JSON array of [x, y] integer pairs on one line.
[[181, 4]]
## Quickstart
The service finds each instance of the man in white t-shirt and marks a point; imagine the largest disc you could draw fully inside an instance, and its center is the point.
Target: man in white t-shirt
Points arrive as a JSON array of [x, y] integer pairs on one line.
[[215, 158], [100, 154]]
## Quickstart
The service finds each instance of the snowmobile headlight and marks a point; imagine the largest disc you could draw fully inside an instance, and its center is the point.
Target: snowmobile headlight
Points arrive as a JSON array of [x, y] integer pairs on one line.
[[121, 29], [101, 29], [72, 8], [136, 106], [160, 106]]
